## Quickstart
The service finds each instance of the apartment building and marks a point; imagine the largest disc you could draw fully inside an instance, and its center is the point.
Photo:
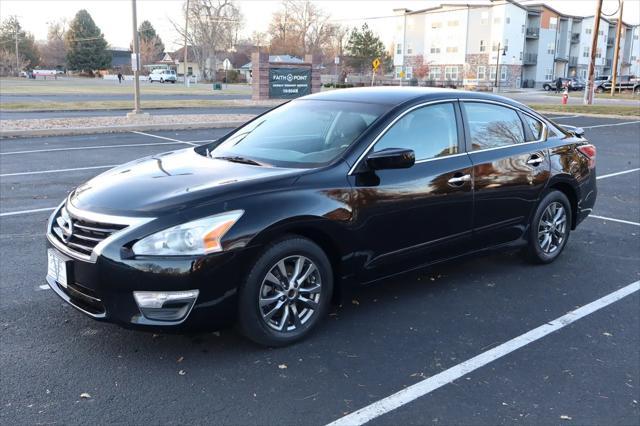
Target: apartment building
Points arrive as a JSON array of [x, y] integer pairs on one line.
[[504, 43]]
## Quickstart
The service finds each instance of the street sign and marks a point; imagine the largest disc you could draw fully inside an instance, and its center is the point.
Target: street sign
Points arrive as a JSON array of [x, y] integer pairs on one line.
[[134, 62], [288, 83], [376, 64], [336, 60]]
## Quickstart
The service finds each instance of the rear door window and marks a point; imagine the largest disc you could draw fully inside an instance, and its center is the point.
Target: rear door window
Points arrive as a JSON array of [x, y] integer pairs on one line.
[[535, 127], [493, 126]]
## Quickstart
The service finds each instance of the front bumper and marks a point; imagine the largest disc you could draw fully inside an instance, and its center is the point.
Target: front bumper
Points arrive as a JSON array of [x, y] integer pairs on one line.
[[104, 289]]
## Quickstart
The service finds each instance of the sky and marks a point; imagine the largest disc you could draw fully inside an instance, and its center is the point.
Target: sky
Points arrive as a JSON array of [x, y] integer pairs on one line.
[[114, 16]]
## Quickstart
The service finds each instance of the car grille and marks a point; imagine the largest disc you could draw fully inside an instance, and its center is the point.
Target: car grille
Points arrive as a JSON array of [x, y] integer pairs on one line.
[[80, 236]]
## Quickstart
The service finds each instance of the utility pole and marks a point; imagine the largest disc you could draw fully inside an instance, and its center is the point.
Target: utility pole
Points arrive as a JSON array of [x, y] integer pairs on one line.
[[135, 64], [616, 51], [186, 27], [588, 91]]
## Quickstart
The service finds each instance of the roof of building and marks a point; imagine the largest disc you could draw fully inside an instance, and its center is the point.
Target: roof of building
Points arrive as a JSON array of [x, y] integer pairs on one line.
[[277, 58]]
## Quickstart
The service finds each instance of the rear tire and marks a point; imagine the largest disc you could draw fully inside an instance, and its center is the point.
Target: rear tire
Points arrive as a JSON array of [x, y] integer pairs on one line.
[[549, 228], [275, 309]]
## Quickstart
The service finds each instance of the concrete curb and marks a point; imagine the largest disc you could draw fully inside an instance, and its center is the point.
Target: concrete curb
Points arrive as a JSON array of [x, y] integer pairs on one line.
[[117, 129], [586, 114]]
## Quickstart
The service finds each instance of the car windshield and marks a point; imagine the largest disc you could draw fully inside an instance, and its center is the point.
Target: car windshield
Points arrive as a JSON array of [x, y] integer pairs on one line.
[[299, 134]]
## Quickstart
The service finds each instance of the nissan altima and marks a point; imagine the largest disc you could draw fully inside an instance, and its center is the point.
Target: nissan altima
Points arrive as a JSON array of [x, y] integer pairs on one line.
[[267, 225]]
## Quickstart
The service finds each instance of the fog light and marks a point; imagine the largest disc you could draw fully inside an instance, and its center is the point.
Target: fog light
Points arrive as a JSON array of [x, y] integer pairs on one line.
[[165, 305]]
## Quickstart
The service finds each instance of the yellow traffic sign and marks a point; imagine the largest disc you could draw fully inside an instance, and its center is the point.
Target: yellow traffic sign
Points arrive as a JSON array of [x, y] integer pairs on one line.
[[376, 64]]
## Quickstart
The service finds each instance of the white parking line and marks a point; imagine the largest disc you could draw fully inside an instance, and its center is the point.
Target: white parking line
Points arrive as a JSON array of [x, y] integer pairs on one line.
[[565, 116], [617, 173], [162, 137], [46, 209], [90, 147], [40, 172], [614, 220], [427, 386], [609, 125]]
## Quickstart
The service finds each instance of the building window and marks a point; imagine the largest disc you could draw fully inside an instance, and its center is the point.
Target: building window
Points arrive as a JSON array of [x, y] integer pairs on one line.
[[451, 73], [483, 46], [553, 23], [635, 37], [598, 53], [551, 49], [503, 72], [492, 73], [399, 49], [496, 20], [585, 52], [505, 45], [408, 72], [452, 49], [435, 25], [484, 18], [583, 73], [548, 74], [482, 72], [600, 32], [434, 73], [507, 20], [587, 30], [435, 49], [520, 55], [409, 49], [452, 23], [398, 71]]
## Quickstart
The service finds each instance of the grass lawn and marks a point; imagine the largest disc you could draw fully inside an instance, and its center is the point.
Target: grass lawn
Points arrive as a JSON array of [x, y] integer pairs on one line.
[[151, 104], [624, 110], [69, 86]]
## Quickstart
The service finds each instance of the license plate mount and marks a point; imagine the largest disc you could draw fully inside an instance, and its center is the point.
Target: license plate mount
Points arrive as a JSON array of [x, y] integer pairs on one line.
[[57, 268]]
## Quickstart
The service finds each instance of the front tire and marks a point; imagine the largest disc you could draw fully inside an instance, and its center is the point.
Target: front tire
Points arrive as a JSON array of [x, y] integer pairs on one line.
[[550, 228], [286, 293]]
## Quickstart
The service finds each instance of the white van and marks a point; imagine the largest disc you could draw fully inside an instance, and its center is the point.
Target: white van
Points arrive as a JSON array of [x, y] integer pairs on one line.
[[162, 75]]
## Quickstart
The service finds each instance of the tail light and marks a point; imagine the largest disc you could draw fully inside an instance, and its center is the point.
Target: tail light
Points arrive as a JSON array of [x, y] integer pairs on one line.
[[589, 151]]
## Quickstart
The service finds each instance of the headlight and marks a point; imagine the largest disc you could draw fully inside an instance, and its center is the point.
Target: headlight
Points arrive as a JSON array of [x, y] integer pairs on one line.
[[200, 236]]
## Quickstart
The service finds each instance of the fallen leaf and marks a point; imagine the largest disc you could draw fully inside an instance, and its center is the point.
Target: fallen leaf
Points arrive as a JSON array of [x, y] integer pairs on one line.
[[565, 417], [607, 334], [282, 366], [85, 395], [180, 359], [355, 302], [182, 372]]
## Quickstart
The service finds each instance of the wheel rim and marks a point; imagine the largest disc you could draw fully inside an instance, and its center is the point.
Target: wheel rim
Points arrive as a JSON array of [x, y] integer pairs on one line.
[[290, 293], [552, 228]]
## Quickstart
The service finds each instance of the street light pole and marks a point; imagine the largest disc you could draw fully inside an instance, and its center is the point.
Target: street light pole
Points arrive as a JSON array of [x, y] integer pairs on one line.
[[17, 55], [186, 27], [136, 61], [495, 83]]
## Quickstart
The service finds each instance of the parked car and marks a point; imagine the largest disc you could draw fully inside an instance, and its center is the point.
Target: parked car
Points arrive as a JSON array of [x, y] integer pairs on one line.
[[623, 82], [572, 83], [162, 76], [273, 221]]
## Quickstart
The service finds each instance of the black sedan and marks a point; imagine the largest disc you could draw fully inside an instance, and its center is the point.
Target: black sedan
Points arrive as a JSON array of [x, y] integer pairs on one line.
[[269, 224]]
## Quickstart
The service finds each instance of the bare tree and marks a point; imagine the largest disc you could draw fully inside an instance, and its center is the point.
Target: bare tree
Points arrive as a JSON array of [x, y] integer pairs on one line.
[[302, 27], [54, 52], [213, 27]]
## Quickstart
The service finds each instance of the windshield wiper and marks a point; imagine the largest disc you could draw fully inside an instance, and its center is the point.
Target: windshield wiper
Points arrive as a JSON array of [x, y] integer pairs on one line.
[[238, 159]]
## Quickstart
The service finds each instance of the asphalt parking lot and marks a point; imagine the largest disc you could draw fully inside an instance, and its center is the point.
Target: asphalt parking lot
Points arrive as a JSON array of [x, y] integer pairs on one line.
[[383, 339]]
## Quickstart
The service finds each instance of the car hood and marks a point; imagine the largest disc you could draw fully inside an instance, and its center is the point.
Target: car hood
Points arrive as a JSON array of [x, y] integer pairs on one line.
[[172, 181]]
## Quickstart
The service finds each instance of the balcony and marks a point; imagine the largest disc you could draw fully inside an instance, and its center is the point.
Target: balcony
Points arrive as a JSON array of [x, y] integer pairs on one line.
[[573, 61], [562, 57], [575, 38], [530, 59], [533, 32]]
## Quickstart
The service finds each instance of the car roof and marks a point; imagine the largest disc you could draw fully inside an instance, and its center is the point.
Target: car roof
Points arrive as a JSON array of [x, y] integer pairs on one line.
[[393, 96]]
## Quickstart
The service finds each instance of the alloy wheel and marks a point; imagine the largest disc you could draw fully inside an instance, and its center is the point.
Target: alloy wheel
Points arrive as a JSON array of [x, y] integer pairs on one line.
[[290, 293], [552, 228]]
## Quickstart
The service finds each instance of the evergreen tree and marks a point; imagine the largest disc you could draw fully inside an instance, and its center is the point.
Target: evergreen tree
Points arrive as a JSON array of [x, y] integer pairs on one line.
[[27, 50], [363, 47], [87, 48]]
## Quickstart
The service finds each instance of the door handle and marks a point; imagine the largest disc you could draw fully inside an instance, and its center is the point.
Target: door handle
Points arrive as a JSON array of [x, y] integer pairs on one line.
[[459, 180], [535, 160]]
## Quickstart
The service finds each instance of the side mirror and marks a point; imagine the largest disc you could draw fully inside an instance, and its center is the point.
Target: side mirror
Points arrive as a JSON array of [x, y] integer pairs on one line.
[[391, 158]]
